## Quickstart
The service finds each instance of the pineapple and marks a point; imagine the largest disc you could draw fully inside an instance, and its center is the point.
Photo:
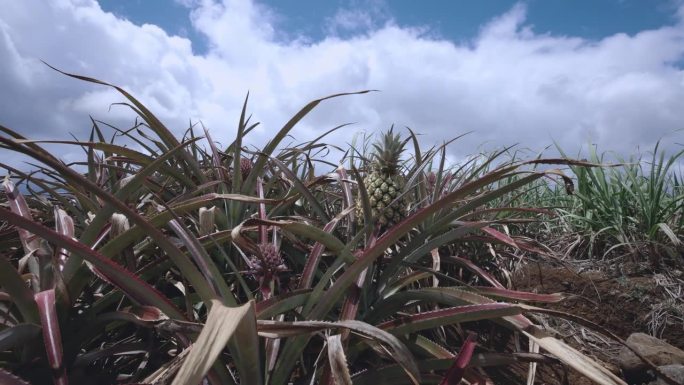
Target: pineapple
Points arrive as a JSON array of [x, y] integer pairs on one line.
[[246, 166], [268, 260], [384, 183], [265, 266]]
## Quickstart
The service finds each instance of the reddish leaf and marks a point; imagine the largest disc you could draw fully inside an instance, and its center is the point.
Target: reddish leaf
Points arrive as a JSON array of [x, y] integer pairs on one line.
[[501, 237], [147, 316], [457, 314], [282, 303], [221, 171], [518, 295], [475, 269], [52, 336], [316, 252], [18, 205], [64, 225], [7, 378], [457, 370], [534, 210], [130, 284]]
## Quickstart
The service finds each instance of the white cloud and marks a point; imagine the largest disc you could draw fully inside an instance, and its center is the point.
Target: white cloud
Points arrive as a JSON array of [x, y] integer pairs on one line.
[[358, 18], [508, 85]]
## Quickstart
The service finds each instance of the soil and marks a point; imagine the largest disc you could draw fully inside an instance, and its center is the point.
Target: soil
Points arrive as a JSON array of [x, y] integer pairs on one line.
[[623, 303]]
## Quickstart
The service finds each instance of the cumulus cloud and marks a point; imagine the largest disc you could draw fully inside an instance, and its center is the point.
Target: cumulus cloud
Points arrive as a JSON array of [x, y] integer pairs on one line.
[[358, 18], [509, 84]]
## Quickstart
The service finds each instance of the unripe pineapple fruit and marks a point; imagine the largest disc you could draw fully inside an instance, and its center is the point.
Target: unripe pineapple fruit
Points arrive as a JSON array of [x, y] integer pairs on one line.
[[384, 182], [268, 259], [246, 166]]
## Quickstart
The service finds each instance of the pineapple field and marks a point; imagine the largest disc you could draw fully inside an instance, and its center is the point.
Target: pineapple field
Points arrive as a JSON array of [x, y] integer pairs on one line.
[[165, 259]]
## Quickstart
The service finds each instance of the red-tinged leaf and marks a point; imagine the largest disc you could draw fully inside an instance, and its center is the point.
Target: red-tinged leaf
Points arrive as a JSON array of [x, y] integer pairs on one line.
[[125, 154], [282, 134], [263, 230], [351, 303], [474, 269], [533, 210], [116, 202], [520, 244], [298, 227], [64, 225], [350, 307], [331, 296], [431, 319], [152, 121], [405, 281], [393, 374], [449, 296], [315, 255], [116, 245], [221, 171], [457, 370], [147, 316], [206, 265], [18, 205], [501, 237], [517, 295], [443, 296], [127, 282], [282, 303], [146, 313], [528, 245], [397, 350], [344, 182], [300, 186], [52, 336], [7, 378]]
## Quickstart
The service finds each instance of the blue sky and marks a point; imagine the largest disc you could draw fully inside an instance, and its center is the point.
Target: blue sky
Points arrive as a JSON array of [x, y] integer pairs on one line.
[[531, 73], [459, 21]]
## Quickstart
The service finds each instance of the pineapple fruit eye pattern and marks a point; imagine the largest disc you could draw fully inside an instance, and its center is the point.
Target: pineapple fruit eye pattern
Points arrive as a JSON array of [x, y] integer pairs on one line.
[[384, 181]]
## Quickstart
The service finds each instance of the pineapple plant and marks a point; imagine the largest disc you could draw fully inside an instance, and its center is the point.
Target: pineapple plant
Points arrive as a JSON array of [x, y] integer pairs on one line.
[[200, 272], [384, 182]]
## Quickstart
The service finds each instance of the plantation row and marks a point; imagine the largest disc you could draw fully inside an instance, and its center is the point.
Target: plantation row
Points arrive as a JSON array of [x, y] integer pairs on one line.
[[185, 260]]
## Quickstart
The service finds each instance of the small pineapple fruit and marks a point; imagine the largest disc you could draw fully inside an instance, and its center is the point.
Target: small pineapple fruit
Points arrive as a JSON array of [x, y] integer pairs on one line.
[[246, 166], [431, 186], [265, 266], [268, 260], [384, 182]]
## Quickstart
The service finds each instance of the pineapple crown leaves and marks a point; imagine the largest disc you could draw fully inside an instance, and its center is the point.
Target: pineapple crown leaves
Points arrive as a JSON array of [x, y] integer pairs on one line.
[[388, 150]]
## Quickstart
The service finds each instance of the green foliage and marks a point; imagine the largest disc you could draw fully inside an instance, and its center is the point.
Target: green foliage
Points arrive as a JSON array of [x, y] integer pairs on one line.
[[155, 248], [631, 208]]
